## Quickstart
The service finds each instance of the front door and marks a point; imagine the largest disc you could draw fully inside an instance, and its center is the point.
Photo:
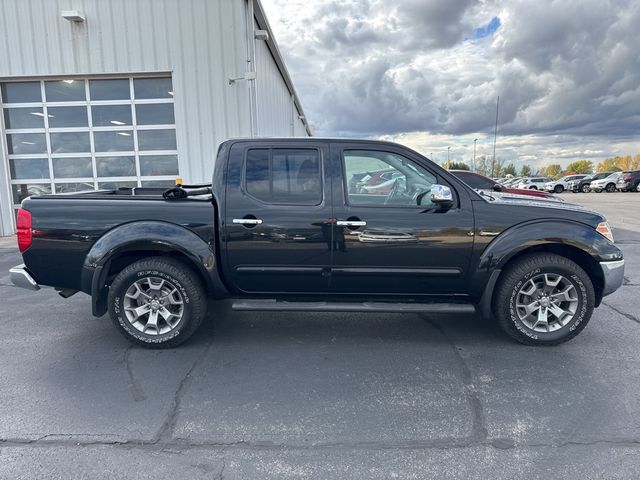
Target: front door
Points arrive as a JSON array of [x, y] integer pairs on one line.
[[390, 239], [277, 224]]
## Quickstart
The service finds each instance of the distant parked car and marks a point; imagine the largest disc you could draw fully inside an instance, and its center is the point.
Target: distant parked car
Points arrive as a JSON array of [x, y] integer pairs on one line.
[[475, 180], [532, 183], [629, 181], [608, 184], [379, 183], [360, 182], [562, 184], [511, 181], [584, 185]]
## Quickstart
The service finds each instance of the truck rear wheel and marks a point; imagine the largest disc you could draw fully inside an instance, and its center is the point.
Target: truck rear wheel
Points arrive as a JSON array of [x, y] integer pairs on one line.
[[544, 299], [157, 302]]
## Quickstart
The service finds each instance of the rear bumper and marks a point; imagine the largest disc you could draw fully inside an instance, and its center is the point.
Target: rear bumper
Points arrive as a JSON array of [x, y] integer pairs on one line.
[[613, 273], [20, 277]]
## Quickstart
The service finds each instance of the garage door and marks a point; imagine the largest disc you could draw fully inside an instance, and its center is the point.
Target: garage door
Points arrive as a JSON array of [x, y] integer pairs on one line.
[[74, 134]]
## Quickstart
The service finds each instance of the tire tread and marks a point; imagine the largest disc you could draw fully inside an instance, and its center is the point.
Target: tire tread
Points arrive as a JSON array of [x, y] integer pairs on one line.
[[514, 273], [185, 275]]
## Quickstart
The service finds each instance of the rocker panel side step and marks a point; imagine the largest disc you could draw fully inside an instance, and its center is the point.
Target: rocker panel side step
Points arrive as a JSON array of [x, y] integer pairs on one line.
[[374, 307]]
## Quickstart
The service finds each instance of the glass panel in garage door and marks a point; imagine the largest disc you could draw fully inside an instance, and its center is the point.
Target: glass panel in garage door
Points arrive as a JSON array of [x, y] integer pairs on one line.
[[26, 117], [69, 90]]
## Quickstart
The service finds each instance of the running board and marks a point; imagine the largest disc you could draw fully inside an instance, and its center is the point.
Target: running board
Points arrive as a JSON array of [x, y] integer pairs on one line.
[[374, 307]]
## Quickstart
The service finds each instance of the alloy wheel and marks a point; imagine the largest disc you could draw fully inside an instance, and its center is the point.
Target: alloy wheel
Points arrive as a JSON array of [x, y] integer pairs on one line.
[[153, 305], [546, 302]]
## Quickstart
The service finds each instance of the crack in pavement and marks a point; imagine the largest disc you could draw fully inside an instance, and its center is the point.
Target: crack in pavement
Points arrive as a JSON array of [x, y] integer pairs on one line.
[[220, 475], [624, 314], [165, 432], [137, 392], [478, 427], [55, 440]]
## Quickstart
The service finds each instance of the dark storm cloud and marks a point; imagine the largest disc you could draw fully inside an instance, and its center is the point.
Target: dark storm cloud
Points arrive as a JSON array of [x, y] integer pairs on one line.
[[433, 24], [369, 67]]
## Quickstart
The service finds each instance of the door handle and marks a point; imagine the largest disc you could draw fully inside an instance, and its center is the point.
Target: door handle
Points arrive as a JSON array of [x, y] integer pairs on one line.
[[247, 221], [351, 223]]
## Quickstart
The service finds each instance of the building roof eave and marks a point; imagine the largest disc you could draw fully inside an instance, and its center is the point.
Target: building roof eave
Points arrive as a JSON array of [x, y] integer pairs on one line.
[[263, 23]]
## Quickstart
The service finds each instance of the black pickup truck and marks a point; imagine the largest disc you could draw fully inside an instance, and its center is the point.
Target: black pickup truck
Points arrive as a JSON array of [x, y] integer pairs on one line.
[[326, 226]]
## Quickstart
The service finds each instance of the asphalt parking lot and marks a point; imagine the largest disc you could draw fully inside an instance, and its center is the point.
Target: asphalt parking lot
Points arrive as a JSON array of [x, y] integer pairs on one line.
[[257, 395]]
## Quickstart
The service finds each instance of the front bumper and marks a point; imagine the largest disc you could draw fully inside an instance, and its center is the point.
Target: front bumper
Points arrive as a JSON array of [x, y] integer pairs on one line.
[[613, 273], [20, 277]]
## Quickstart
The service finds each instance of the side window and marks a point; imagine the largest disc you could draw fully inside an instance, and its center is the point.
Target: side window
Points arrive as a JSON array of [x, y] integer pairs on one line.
[[384, 178], [284, 175]]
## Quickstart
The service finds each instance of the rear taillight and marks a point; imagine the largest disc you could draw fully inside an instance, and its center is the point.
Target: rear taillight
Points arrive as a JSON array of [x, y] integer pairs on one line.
[[628, 178], [25, 235]]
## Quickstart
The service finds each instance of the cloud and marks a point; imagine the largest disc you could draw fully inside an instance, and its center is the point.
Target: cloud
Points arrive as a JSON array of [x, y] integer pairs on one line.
[[566, 70]]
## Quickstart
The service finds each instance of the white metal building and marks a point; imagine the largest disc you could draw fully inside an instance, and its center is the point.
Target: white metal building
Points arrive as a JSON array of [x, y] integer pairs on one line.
[[98, 93]]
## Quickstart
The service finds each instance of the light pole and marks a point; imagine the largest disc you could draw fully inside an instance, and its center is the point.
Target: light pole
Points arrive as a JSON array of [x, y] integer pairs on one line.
[[473, 167], [448, 150], [495, 136]]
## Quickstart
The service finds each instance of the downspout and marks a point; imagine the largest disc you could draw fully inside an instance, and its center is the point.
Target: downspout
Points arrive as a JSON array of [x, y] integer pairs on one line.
[[251, 67], [294, 111]]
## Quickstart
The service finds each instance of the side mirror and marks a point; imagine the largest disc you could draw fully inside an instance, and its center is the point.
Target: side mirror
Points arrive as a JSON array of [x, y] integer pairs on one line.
[[441, 196], [497, 187]]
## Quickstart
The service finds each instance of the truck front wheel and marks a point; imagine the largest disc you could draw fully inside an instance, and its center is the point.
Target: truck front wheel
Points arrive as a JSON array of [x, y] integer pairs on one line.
[[157, 302], [544, 299]]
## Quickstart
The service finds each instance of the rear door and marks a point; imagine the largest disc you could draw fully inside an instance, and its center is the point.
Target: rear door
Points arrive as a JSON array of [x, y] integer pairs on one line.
[[386, 244], [277, 229]]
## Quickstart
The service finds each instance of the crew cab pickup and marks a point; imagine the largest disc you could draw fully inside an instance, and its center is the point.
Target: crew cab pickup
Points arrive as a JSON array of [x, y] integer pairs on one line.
[[284, 226]]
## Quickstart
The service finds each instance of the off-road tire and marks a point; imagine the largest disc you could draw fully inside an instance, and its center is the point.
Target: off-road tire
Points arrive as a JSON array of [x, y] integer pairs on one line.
[[182, 277], [520, 271]]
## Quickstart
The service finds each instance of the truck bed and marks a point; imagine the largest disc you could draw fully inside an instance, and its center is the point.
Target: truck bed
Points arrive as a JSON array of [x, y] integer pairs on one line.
[[67, 226]]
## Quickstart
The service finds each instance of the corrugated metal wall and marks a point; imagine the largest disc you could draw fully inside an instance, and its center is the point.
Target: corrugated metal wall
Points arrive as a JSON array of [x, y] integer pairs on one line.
[[203, 43], [275, 108]]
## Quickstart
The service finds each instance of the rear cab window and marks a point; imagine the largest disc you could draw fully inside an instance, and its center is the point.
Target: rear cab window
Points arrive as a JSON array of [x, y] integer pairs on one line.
[[291, 176]]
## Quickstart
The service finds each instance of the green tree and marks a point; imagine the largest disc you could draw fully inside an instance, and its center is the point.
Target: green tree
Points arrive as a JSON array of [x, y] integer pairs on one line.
[[509, 170], [554, 170], [581, 166], [525, 171], [453, 165]]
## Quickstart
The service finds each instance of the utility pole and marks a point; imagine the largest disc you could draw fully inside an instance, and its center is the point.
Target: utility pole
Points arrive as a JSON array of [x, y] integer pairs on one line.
[[473, 167], [448, 157], [495, 136]]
